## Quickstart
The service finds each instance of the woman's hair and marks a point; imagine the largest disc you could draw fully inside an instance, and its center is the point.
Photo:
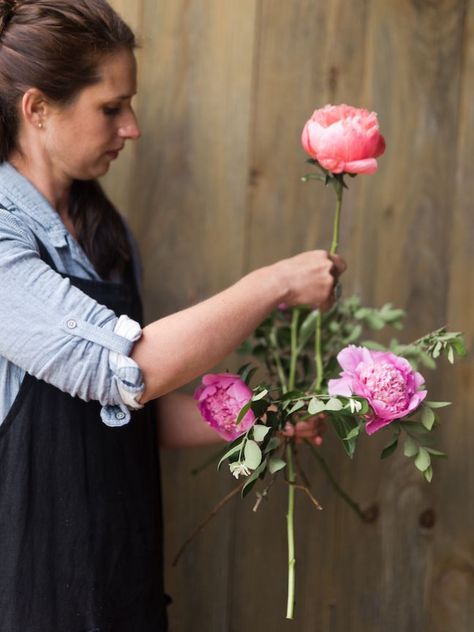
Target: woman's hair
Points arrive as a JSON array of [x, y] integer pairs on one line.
[[57, 46]]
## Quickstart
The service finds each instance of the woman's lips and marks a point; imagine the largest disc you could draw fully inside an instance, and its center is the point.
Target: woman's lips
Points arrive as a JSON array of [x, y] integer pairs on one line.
[[113, 154]]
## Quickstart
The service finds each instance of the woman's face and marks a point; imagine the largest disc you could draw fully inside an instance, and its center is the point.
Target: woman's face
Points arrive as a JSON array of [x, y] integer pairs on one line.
[[82, 138]]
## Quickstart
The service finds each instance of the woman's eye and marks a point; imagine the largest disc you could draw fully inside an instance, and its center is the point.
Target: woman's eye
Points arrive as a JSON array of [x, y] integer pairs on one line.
[[111, 111]]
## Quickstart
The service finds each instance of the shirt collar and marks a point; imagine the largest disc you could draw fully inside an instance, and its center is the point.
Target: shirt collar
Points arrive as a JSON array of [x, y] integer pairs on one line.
[[26, 197]]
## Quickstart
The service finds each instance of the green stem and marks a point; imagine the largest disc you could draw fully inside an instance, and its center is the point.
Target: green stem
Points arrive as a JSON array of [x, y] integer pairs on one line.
[[338, 186], [294, 348], [291, 534], [290, 516], [344, 495], [276, 358], [318, 359]]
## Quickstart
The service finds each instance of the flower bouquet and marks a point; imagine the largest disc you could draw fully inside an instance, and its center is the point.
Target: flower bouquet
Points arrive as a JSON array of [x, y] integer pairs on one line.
[[323, 367]]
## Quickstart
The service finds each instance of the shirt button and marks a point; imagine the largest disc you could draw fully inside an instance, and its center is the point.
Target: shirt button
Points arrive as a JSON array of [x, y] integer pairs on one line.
[[71, 324], [120, 415]]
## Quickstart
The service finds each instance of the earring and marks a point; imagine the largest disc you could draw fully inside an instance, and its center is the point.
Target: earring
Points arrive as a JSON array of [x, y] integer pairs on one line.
[[40, 125]]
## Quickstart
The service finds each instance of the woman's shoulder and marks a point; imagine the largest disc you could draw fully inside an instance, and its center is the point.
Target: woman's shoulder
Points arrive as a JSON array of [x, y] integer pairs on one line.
[[13, 225]]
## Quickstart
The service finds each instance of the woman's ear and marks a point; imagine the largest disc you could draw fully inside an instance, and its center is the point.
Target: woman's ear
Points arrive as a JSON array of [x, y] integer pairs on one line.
[[34, 107]]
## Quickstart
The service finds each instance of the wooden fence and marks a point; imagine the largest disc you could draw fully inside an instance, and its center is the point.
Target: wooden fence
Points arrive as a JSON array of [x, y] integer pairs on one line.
[[213, 190]]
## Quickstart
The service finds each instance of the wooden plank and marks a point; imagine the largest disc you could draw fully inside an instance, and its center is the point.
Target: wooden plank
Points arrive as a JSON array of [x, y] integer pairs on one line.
[[451, 587], [414, 80], [189, 194], [193, 154], [310, 53], [118, 182]]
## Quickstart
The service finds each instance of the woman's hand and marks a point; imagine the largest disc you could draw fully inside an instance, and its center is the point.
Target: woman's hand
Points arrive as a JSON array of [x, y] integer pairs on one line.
[[310, 277], [311, 429]]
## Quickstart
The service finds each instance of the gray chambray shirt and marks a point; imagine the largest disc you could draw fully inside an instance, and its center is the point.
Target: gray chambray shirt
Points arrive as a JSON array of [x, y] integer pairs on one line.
[[49, 328]]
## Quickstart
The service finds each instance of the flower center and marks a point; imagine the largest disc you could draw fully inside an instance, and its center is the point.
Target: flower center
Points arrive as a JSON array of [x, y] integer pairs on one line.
[[223, 408], [385, 383]]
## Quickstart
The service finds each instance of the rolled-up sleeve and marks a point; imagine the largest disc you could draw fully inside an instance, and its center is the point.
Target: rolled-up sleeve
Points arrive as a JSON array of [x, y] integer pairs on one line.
[[57, 333]]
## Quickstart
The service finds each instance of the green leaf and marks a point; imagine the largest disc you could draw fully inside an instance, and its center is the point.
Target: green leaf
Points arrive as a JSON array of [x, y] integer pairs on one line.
[[354, 335], [414, 427], [427, 360], [316, 406], [362, 313], [423, 460], [410, 447], [333, 404], [243, 411], [353, 433], [260, 432], [252, 479], [343, 426], [307, 329], [375, 346], [374, 321], [247, 371], [428, 417], [297, 406], [291, 395], [451, 355], [260, 395], [437, 349], [273, 444], [459, 346], [434, 452], [389, 448], [428, 474], [436, 404], [275, 465], [229, 453], [252, 455]]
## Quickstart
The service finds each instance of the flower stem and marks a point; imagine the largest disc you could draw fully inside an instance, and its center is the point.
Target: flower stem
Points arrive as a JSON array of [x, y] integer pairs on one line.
[[294, 348], [290, 516], [339, 188], [318, 359], [338, 184], [291, 534], [276, 357]]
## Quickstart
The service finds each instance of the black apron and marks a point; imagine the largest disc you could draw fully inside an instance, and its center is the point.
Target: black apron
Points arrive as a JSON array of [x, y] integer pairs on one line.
[[80, 507]]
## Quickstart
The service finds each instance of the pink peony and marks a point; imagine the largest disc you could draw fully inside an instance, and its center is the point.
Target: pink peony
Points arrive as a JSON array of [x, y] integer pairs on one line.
[[220, 398], [386, 380], [344, 139]]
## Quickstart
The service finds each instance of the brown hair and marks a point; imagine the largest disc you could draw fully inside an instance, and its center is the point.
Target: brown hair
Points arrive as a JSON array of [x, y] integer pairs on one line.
[[57, 46]]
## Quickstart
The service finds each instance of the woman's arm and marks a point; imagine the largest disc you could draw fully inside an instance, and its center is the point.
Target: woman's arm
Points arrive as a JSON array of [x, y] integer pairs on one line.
[[180, 424], [178, 348]]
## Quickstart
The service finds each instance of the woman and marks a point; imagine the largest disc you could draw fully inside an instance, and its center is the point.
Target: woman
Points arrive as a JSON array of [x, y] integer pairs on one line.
[[80, 519]]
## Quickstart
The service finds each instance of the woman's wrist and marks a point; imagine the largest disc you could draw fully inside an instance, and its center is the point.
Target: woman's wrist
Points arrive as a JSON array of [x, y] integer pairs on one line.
[[269, 283]]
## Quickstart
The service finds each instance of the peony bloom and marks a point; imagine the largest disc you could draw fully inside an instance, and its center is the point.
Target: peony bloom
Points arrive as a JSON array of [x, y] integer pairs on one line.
[[344, 139], [386, 380], [220, 398]]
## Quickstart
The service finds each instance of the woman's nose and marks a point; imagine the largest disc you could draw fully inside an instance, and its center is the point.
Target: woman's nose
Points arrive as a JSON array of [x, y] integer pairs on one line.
[[130, 128]]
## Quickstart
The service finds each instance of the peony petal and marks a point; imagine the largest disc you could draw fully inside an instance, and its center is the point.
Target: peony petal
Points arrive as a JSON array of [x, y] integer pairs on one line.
[[367, 166], [341, 386], [380, 147], [350, 358], [376, 424]]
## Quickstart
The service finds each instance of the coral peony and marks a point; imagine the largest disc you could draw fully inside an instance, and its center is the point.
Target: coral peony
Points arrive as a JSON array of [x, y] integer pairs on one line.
[[344, 139], [386, 380], [220, 398]]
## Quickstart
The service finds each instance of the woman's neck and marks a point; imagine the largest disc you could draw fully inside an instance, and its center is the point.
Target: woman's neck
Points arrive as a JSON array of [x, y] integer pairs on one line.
[[54, 188]]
